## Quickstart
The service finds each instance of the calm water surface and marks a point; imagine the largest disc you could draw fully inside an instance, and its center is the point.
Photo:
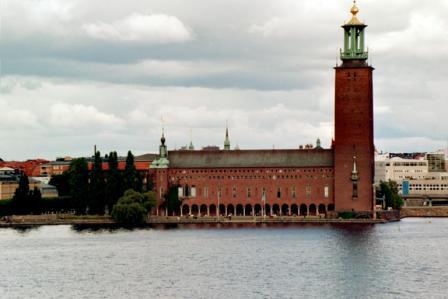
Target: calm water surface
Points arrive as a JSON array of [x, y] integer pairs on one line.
[[398, 260]]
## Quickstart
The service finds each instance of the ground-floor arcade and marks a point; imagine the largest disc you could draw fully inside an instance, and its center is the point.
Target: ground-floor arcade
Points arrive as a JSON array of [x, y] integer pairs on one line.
[[247, 210]]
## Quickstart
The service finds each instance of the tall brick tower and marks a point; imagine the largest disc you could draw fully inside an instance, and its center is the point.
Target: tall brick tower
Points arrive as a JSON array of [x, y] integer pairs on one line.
[[353, 146]]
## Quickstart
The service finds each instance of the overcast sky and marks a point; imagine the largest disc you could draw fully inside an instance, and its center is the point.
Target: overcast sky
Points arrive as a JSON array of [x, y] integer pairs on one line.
[[75, 73]]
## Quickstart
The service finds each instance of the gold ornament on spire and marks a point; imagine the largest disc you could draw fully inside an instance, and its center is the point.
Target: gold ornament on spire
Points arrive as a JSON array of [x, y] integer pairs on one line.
[[354, 11]]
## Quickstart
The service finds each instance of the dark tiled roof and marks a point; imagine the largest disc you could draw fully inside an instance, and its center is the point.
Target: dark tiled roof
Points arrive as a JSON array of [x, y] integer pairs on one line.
[[146, 157], [251, 158]]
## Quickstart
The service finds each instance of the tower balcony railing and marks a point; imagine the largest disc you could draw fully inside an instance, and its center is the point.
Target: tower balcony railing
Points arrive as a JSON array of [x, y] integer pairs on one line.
[[361, 55]]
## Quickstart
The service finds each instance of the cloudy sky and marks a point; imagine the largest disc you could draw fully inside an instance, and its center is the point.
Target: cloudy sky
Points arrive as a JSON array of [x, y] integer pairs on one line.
[[75, 73]]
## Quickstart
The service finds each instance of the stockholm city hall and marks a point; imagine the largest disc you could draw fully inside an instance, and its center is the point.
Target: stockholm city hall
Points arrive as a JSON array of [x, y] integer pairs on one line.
[[298, 182]]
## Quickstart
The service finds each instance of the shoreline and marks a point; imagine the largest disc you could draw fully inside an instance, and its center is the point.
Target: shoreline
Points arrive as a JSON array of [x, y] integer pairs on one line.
[[107, 221]]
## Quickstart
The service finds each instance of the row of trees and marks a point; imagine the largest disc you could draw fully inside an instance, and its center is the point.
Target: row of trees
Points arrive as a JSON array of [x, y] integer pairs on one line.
[[97, 191], [26, 201]]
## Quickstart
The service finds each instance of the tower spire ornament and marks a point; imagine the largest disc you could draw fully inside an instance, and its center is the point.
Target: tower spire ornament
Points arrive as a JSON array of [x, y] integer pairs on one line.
[[227, 140]]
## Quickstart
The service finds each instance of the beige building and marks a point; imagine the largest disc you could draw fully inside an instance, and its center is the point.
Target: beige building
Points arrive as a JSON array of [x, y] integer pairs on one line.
[[8, 188], [424, 176], [398, 169]]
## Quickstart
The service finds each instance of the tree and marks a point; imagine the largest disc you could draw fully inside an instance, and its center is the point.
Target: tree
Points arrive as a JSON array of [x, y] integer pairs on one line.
[[61, 182], [114, 182], [97, 194], [35, 199], [132, 179], [132, 208], [150, 200], [79, 184], [21, 196], [172, 201], [390, 192]]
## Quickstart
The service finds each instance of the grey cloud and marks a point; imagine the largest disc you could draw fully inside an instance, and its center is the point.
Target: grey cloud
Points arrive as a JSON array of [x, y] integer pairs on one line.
[[246, 58]]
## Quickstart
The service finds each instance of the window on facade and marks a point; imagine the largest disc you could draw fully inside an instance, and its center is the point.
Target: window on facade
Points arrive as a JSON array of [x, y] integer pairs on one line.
[[193, 191], [180, 191], [326, 192], [293, 192], [308, 191], [219, 193], [205, 192], [161, 192], [249, 193], [263, 194], [234, 192], [279, 192]]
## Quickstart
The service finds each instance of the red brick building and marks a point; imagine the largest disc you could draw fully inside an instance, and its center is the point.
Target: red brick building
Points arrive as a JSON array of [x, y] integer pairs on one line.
[[29, 167], [286, 182]]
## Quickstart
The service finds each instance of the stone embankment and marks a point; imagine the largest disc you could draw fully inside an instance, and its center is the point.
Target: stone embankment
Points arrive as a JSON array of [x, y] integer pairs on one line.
[[54, 219], [424, 212], [256, 220]]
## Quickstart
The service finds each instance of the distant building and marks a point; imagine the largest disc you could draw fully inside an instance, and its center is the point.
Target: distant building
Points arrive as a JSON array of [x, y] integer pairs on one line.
[[9, 182], [419, 175], [29, 167]]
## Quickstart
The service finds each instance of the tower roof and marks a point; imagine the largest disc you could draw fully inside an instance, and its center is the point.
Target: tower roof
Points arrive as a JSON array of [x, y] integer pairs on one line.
[[354, 20]]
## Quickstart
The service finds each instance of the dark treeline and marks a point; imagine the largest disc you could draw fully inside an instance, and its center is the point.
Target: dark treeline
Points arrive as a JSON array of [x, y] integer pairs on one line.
[[97, 191], [81, 190]]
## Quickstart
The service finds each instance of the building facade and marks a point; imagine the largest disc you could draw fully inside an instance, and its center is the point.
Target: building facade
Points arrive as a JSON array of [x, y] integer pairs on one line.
[[304, 181], [420, 175]]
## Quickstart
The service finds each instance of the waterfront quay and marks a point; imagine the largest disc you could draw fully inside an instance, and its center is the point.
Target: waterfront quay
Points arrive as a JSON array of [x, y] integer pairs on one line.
[[70, 219], [257, 220]]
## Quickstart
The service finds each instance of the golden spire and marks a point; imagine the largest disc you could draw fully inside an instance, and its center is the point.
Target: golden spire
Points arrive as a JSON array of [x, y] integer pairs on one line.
[[354, 11]]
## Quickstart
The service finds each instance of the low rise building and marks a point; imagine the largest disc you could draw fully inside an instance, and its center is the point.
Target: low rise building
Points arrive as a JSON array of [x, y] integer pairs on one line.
[[417, 175]]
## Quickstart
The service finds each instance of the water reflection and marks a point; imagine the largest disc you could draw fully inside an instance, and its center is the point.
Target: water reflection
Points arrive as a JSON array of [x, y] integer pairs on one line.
[[25, 229], [207, 261]]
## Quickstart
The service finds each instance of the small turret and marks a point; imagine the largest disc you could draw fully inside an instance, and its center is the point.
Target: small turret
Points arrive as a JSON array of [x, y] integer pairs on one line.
[[318, 144], [227, 140], [162, 161], [191, 146]]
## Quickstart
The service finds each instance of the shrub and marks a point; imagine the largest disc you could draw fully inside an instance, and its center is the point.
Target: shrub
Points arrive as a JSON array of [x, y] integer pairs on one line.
[[132, 207]]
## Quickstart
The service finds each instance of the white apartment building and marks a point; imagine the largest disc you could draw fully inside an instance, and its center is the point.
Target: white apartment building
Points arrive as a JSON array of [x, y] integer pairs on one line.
[[414, 176]]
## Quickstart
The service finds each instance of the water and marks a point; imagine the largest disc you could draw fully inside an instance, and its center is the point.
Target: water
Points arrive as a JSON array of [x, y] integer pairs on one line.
[[397, 260]]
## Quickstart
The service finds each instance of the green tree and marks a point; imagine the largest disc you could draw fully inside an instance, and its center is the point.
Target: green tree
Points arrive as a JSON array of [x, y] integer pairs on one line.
[[132, 208], [150, 200], [114, 182], [390, 192], [20, 200], [61, 182], [35, 198], [79, 184], [97, 188], [172, 200], [132, 179]]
